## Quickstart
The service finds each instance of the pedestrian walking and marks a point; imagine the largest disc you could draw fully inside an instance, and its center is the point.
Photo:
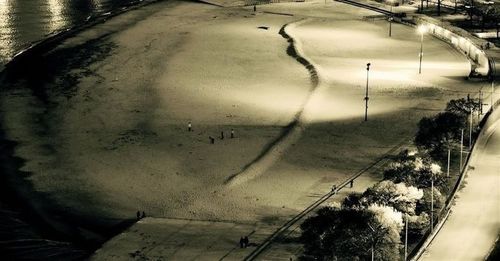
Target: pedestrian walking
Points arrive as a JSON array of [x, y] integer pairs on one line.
[[242, 242], [221, 135], [143, 214], [254, 8], [138, 215], [352, 183], [212, 140], [246, 241], [232, 133], [190, 127]]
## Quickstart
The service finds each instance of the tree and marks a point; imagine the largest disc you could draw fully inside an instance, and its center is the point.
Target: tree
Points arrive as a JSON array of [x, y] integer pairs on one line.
[[417, 225], [437, 134], [386, 232], [396, 200], [399, 196], [348, 234], [414, 170], [463, 106], [424, 204], [353, 200]]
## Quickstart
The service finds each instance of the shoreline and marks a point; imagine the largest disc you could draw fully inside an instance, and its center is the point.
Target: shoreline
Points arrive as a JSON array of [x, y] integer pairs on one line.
[[16, 199], [53, 39], [21, 204]]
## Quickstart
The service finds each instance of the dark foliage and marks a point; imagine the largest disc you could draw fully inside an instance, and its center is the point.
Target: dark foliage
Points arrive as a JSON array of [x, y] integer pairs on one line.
[[414, 170], [345, 234], [437, 134], [463, 106]]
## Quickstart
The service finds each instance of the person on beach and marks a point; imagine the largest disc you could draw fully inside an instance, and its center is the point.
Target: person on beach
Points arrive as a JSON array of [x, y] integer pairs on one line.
[[143, 214], [221, 135], [189, 126], [212, 140], [138, 215], [242, 242], [254, 8], [246, 241], [352, 183], [232, 133]]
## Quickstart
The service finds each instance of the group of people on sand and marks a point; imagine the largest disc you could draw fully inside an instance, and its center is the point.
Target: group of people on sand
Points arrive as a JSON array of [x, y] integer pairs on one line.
[[140, 215], [244, 241], [212, 139]]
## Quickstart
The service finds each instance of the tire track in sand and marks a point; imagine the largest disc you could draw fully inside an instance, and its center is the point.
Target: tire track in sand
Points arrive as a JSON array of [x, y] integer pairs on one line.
[[290, 133]]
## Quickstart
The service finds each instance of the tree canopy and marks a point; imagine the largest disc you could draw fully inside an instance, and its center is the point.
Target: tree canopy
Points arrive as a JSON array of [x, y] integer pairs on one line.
[[463, 106], [414, 170], [348, 234], [437, 134]]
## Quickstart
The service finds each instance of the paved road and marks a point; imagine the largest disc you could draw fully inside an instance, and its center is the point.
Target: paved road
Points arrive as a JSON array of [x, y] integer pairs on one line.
[[474, 224]]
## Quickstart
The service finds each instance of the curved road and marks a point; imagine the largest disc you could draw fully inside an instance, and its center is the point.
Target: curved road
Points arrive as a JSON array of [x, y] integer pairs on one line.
[[471, 229]]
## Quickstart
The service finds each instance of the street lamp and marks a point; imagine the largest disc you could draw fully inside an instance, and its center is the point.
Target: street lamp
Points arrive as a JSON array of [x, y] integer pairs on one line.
[[391, 18], [470, 128], [379, 229], [492, 92], [366, 94], [421, 29], [432, 202], [461, 149], [448, 168], [406, 236]]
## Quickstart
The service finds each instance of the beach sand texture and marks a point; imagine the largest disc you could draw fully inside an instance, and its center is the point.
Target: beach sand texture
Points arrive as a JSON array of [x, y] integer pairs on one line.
[[109, 137]]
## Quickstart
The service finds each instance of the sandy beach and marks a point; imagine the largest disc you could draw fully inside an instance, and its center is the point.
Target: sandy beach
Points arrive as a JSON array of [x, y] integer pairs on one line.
[[107, 134]]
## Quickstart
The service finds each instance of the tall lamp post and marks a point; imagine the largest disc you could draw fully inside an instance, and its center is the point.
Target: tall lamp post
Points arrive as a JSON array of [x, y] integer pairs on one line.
[[421, 29], [406, 236], [448, 168], [461, 149], [470, 130], [432, 202], [391, 18], [366, 94], [374, 231], [492, 92]]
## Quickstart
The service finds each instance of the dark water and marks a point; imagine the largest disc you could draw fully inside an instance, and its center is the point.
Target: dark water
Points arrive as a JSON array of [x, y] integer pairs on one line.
[[23, 233], [25, 21]]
